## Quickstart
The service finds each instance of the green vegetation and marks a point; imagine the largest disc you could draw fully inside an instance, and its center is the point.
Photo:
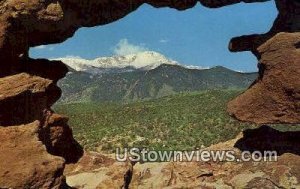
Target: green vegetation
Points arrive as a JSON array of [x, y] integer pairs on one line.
[[160, 108], [183, 122], [138, 85]]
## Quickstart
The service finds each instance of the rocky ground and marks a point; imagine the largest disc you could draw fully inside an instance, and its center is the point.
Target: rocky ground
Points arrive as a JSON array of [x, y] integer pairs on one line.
[[99, 171]]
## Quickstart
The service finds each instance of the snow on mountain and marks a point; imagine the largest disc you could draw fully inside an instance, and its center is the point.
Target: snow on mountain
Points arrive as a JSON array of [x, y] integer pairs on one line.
[[144, 61]]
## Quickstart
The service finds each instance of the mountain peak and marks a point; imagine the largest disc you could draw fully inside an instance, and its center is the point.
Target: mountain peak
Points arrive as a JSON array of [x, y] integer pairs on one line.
[[145, 60]]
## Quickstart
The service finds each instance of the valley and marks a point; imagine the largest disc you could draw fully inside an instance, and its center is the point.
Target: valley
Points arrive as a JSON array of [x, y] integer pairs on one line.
[[183, 121]]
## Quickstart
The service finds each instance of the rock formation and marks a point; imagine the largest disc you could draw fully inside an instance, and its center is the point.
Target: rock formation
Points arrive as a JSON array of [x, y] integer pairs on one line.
[[33, 136], [25, 162], [35, 142], [283, 173], [275, 96]]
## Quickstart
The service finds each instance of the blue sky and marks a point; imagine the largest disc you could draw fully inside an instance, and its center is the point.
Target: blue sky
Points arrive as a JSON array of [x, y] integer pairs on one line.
[[197, 36]]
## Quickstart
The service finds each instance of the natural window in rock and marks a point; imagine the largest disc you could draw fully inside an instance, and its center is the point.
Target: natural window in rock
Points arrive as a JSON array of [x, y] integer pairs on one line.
[[150, 78], [197, 36], [158, 77]]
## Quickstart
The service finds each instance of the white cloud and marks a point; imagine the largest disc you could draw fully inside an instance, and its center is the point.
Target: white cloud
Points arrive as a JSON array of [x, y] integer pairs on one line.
[[125, 48], [163, 41], [44, 47], [40, 47]]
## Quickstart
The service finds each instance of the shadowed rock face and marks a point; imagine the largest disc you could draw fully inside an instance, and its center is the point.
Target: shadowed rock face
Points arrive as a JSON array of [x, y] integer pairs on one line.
[[24, 97], [58, 138], [28, 87], [266, 138]]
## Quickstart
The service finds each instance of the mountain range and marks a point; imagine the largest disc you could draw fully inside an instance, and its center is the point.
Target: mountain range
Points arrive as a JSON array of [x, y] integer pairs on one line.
[[146, 60], [142, 76]]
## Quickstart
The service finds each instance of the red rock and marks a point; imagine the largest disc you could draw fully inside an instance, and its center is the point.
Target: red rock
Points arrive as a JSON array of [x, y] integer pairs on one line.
[[33, 155], [58, 138], [275, 96], [26, 97], [95, 170], [25, 162]]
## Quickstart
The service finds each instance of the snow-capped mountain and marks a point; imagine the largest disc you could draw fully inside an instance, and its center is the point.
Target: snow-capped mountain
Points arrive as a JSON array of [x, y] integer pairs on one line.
[[147, 60]]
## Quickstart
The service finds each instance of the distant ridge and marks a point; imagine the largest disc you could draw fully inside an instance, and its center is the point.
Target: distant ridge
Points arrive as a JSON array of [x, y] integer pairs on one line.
[[143, 84]]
